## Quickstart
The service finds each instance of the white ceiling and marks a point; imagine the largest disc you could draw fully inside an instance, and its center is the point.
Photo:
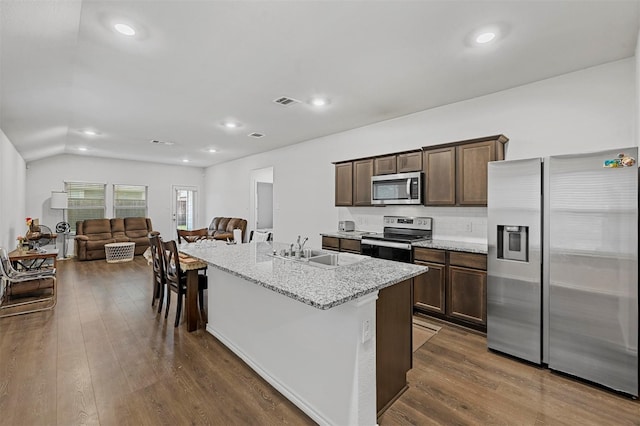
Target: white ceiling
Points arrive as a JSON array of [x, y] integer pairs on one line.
[[194, 64]]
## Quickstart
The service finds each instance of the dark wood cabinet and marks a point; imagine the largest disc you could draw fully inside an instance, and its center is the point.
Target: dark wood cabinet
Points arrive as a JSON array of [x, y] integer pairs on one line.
[[394, 355], [344, 184], [473, 160], [330, 243], [362, 173], [429, 288], [467, 294], [440, 176], [349, 245], [409, 162], [456, 173], [384, 165], [454, 288], [341, 244]]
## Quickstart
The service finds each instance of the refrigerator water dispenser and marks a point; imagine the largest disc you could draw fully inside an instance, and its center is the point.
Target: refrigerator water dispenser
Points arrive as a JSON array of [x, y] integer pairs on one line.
[[513, 243]]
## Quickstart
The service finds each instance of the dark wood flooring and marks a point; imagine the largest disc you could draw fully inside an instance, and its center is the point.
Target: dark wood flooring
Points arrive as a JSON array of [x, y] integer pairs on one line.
[[103, 356]]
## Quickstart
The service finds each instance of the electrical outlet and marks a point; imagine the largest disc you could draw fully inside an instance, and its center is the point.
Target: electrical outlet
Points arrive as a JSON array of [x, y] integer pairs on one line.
[[469, 227], [366, 331]]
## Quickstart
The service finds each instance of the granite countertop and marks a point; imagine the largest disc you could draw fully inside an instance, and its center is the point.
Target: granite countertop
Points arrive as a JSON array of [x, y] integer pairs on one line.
[[350, 235], [452, 245], [320, 287]]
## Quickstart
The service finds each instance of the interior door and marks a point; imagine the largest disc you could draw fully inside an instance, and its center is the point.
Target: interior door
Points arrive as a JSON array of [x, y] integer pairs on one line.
[[185, 207], [264, 205]]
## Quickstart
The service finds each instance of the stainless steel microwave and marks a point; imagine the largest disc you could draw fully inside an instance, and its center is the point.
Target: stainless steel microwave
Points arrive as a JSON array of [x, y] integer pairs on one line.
[[401, 188]]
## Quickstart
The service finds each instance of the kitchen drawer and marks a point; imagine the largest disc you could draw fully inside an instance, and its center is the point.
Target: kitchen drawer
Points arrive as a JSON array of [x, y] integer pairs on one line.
[[468, 260], [352, 246], [429, 255], [330, 243]]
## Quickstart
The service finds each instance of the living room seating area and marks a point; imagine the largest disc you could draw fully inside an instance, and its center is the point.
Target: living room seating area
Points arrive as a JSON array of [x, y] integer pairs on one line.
[[93, 234]]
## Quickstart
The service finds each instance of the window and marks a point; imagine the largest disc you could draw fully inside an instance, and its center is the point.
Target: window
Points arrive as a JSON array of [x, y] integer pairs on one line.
[[86, 201], [129, 201]]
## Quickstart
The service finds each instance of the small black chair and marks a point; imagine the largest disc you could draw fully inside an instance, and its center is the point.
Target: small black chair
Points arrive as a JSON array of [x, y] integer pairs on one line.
[[159, 275], [259, 236], [177, 280], [191, 236]]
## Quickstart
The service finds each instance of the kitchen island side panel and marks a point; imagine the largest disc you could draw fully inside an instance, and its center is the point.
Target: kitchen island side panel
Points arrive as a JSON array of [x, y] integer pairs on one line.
[[316, 358]]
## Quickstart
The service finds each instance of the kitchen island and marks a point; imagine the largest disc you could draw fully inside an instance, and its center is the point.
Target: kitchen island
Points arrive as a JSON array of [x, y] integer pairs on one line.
[[317, 333]]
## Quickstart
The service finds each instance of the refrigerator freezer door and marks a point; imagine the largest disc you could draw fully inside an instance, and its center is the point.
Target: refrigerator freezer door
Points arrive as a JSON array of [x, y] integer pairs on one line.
[[514, 289], [593, 269]]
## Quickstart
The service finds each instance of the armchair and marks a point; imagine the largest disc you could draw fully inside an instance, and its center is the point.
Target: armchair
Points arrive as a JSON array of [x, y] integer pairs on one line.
[[34, 282]]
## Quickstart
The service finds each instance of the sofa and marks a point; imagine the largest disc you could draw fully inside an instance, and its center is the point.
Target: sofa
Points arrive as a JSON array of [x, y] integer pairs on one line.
[[93, 234], [222, 228]]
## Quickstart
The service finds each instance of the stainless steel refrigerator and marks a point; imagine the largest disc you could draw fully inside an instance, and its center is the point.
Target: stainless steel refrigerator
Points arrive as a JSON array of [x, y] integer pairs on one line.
[[563, 264]]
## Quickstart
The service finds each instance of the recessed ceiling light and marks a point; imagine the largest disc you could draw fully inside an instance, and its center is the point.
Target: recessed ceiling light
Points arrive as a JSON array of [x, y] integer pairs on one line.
[[185, 160], [231, 124], [319, 102], [211, 150], [125, 29], [90, 132], [82, 148], [485, 37]]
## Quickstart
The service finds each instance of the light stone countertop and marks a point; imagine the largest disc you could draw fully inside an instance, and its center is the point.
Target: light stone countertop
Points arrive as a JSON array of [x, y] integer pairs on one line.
[[350, 235], [452, 245], [319, 287]]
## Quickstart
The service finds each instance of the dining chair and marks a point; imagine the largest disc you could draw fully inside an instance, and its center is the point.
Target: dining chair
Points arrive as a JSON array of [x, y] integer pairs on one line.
[[191, 236], [159, 275], [259, 236], [21, 283], [177, 280]]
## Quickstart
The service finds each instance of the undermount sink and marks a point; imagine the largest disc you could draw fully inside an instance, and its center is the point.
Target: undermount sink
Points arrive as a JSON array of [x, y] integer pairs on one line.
[[325, 259]]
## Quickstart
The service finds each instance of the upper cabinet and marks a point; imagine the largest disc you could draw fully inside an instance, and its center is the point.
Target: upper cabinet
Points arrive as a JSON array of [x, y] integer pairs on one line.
[[409, 162], [353, 183], [440, 176], [456, 173], [398, 163], [385, 165], [344, 184], [362, 172]]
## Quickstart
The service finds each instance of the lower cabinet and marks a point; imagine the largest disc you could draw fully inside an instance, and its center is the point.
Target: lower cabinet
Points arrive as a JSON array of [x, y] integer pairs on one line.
[[454, 289], [341, 244]]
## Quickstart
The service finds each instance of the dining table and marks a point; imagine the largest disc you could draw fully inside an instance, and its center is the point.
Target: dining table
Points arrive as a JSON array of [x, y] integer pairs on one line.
[[191, 267]]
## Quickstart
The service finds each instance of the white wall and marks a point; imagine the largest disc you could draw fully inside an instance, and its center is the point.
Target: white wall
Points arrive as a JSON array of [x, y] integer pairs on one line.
[[582, 111], [12, 194], [44, 176]]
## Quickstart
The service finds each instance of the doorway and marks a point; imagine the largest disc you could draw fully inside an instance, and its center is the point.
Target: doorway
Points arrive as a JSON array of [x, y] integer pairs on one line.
[[262, 199], [185, 207]]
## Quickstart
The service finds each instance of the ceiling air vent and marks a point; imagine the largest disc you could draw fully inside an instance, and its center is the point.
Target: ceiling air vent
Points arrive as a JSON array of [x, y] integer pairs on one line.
[[285, 101], [157, 142], [256, 135]]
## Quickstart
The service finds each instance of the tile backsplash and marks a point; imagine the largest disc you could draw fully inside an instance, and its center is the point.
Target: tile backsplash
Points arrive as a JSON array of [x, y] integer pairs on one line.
[[449, 223]]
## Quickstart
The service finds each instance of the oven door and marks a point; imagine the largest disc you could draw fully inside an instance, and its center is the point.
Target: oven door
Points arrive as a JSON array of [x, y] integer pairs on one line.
[[389, 250]]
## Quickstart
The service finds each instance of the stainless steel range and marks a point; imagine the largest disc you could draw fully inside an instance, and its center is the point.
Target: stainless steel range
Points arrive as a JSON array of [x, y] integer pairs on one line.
[[394, 243]]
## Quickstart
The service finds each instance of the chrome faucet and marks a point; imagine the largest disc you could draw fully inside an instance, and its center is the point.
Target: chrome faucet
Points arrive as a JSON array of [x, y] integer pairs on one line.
[[300, 246]]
